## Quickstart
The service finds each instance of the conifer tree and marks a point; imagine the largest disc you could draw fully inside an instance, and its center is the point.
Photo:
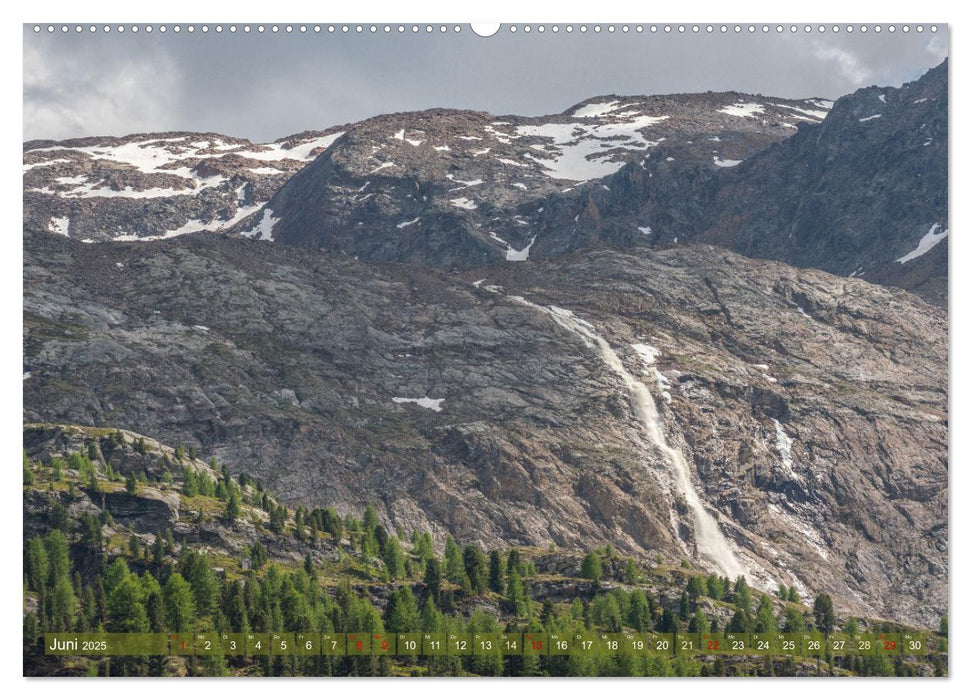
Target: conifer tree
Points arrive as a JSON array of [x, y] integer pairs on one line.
[[591, 568]]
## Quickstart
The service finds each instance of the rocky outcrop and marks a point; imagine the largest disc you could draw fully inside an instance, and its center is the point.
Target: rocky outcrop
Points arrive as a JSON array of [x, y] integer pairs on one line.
[[812, 409]]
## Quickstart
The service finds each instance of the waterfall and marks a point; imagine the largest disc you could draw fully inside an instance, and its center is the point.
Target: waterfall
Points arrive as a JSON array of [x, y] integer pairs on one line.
[[712, 543]]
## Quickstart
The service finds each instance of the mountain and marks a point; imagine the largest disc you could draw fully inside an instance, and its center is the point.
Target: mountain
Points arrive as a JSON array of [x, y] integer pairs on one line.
[[857, 188], [440, 187], [687, 402], [152, 186], [861, 193], [676, 324]]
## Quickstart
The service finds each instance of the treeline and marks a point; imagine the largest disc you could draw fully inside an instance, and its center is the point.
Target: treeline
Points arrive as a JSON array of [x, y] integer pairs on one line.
[[72, 584]]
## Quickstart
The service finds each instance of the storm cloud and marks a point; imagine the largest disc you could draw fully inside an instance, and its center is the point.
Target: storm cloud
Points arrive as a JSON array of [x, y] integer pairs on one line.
[[265, 86]]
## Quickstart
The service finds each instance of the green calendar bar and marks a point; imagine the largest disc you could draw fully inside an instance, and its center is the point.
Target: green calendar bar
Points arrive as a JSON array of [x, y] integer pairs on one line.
[[409, 644], [812, 644], [383, 644], [358, 644], [913, 644], [585, 643], [591, 644], [738, 643], [257, 644], [333, 644], [306, 644], [839, 644], [206, 644], [105, 644], [434, 644], [535, 644], [762, 642], [458, 644], [888, 644], [865, 644], [232, 644]]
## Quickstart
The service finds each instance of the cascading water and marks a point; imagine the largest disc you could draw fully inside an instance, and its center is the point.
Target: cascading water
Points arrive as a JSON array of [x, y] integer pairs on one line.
[[712, 543]]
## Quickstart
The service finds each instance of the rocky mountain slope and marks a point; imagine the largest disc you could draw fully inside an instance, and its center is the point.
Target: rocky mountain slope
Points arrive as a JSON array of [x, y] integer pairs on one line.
[[440, 187], [151, 186], [857, 190], [862, 193], [810, 410]]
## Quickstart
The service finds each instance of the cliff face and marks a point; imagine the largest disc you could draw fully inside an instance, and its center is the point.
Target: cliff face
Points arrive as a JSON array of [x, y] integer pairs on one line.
[[811, 409]]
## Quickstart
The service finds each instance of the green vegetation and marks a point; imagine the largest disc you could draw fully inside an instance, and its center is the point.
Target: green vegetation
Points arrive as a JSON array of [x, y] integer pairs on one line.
[[89, 573]]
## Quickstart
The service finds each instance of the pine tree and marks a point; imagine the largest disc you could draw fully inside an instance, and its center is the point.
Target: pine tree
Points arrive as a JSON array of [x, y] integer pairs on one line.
[[394, 559], [742, 595], [58, 558], [370, 521], [794, 621], [497, 578], [823, 613], [697, 587], [190, 484], [180, 608], [639, 611], [131, 484], [765, 616], [431, 618], [125, 609], [516, 592], [475, 568], [233, 506], [433, 578], [35, 563], [591, 568], [699, 622], [684, 607], [454, 564], [401, 613]]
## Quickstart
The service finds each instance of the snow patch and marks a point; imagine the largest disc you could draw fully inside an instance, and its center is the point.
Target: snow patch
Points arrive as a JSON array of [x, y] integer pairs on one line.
[[743, 109], [520, 255], [263, 231], [725, 163], [60, 225], [424, 402], [596, 109], [872, 116], [582, 152], [783, 444], [647, 353], [928, 241], [406, 224], [463, 203]]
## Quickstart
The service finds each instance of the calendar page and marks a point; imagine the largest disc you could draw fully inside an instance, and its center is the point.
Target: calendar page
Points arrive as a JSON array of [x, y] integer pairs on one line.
[[519, 349]]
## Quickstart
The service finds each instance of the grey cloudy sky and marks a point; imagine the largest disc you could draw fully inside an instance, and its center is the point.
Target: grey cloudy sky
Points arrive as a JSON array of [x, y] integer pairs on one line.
[[263, 87]]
